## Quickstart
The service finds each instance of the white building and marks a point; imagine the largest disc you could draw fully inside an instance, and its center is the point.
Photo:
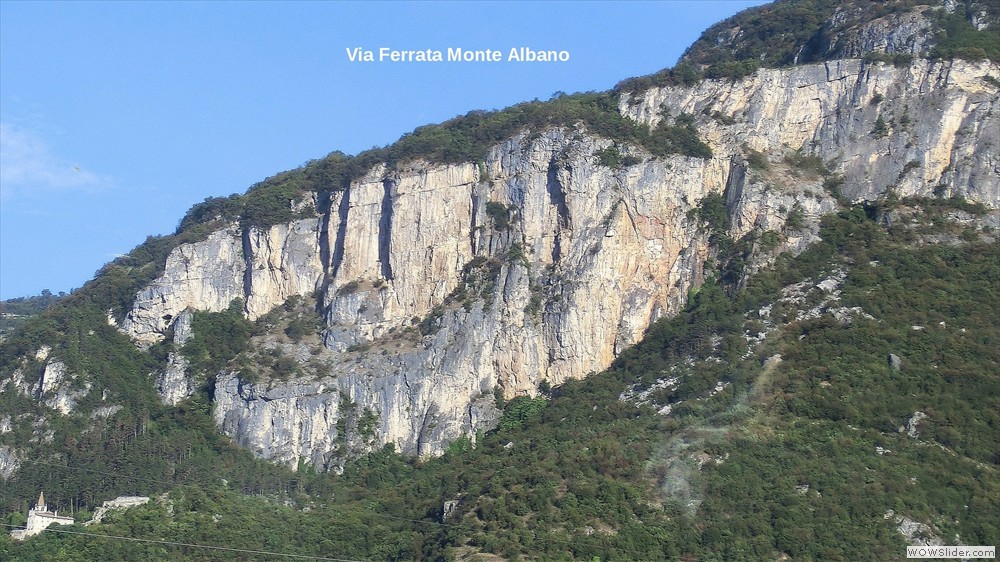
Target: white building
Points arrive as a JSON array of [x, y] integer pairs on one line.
[[39, 518]]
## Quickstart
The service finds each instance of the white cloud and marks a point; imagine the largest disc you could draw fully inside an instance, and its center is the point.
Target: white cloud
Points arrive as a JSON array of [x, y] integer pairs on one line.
[[27, 162]]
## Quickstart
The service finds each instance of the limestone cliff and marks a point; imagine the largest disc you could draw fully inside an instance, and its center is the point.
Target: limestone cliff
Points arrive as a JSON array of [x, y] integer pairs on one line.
[[264, 267], [440, 283], [939, 123]]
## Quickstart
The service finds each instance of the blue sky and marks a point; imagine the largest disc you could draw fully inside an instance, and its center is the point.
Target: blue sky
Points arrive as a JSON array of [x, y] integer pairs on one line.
[[116, 117]]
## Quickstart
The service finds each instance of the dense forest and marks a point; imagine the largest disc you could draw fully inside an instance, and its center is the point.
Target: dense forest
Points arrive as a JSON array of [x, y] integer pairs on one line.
[[784, 428]]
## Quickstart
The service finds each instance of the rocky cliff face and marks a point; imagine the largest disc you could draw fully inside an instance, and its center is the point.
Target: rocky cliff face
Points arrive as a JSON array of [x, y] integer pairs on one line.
[[440, 283], [173, 384], [909, 33], [48, 381], [263, 267], [939, 123]]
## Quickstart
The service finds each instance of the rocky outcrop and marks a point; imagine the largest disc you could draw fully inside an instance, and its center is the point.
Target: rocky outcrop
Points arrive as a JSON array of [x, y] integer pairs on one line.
[[121, 503], [788, 32], [940, 122], [174, 384], [440, 284], [895, 363], [262, 267], [410, 232], [56, 389], [913, 424], [916, 533], [205, 275], [908, 32], [53, 385], [9, 462]]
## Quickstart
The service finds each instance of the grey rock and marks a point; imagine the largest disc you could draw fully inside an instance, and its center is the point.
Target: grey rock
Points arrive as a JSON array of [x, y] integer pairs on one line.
[[913, 425], [121, 503], [56, 387], [895, 362], [917, 533], [908, 33], [448, 509], [10, 461], [174, 384]]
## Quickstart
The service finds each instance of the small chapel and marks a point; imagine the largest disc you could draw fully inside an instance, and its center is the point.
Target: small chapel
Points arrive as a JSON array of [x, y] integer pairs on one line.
[[39, 518]]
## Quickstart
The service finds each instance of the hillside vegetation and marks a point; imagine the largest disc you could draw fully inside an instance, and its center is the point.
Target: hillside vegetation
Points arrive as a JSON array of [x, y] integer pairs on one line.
[[789, 32], [14, 312], [813, 456]]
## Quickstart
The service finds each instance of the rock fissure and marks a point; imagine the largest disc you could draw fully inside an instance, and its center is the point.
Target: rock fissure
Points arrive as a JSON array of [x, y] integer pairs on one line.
[[248, 265], [385, 228], [338, 244]]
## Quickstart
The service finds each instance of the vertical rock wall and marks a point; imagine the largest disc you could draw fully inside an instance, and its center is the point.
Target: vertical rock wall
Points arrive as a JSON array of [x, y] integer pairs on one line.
[[539, 263]]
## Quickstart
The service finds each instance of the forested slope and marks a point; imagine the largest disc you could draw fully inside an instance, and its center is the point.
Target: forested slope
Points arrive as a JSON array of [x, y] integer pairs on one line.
[[813, 455]]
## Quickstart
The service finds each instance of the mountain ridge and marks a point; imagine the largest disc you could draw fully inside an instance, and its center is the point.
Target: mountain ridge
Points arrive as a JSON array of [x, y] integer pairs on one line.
[[417, 302]]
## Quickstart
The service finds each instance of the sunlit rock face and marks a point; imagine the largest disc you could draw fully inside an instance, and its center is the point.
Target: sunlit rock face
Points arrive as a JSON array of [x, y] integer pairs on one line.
[[539, 263]]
